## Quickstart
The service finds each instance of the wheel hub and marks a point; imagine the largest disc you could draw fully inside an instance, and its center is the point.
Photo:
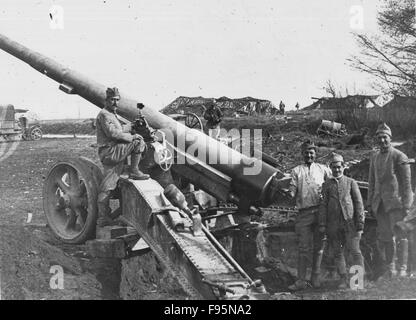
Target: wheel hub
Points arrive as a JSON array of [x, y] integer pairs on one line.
[[69, 200], [70, 193], [63, 201]]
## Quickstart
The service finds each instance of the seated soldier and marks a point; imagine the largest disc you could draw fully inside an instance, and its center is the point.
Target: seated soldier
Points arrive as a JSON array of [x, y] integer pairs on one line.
[[115, 144]]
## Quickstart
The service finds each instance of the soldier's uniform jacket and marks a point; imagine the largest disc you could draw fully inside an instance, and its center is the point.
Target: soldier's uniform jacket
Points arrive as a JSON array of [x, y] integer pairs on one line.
[[341, 202], [114, 144], [306, 184], [109, 129], [213, 115], [389, 181]]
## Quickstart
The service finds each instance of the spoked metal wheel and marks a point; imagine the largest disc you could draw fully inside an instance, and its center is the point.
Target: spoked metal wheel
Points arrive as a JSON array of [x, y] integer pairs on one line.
[[70, 199], [36, 134], [193, 121]]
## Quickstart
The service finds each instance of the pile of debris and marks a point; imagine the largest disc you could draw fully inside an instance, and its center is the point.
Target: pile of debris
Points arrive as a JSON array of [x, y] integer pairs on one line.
[[230, 107]]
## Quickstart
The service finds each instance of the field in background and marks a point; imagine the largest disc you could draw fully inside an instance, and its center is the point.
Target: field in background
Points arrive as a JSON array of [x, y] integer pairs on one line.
[[68, 126], [266, 123]]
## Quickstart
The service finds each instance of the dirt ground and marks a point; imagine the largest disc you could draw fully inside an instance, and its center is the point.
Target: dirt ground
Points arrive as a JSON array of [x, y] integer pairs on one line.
[[28, 250]]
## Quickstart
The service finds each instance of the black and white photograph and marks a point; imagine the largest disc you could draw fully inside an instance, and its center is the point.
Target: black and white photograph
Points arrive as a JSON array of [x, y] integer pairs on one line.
[[228, 151]]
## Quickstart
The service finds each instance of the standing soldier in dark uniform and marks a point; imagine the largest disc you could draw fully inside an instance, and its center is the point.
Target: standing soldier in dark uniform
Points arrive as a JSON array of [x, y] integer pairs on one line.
[[213, 115], [389, 199], [115, 144], [341, 217]]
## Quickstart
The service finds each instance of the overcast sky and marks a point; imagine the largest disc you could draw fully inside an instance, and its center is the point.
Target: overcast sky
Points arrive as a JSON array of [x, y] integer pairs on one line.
[[158, 50]]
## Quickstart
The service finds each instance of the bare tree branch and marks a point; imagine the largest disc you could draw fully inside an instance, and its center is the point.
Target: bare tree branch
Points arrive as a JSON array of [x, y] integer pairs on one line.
[[390, 56]]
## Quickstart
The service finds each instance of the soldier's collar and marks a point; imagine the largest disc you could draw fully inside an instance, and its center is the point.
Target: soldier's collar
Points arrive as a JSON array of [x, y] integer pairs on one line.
[[337, 178], [111, 111], [386, 149]]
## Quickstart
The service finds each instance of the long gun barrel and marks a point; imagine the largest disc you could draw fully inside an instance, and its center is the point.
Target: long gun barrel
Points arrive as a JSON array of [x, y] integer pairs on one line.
[[253, 188]]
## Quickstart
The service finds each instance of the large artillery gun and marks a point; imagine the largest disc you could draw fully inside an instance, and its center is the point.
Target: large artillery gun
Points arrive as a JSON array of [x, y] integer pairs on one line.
[[204, 268]]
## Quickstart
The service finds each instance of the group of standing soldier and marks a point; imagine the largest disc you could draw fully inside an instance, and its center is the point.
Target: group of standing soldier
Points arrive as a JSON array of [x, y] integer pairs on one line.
[[331, 207]]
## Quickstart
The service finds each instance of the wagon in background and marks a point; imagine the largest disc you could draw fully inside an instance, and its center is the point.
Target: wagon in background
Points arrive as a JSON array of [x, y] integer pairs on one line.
[[14, 124]]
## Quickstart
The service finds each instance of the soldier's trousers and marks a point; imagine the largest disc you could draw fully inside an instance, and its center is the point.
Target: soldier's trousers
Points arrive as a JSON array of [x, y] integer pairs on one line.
[[309, 240], [390, 239], [112, 158], [342, 238]]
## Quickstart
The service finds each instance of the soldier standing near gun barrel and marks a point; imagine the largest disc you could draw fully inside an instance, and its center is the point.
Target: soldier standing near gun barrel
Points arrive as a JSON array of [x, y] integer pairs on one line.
[[115, 144], [341, 217], [213, 115], [389, 199], [306, 184]]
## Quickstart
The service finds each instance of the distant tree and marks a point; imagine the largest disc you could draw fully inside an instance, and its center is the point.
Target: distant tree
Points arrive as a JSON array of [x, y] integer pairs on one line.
[[390, 56], [337, 91], [330, 88]]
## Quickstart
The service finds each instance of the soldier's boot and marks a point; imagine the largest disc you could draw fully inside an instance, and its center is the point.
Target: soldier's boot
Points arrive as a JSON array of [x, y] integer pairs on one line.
[[135, 173], [343, 282], [316, 280], [390, 255], [316, 270], [301, 283], [392, 269], [403, 253], [411, 263], [332, 272], [298, 285], [382, 269], [103, 206]]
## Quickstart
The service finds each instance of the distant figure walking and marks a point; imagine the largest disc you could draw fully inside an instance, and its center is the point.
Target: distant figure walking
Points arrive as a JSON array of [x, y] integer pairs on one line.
[[282, 107], [297, 106]]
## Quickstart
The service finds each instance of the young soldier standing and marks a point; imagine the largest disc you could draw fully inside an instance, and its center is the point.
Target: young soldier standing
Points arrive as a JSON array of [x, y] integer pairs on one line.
[[306, 183], [341, 217], [389, 198]]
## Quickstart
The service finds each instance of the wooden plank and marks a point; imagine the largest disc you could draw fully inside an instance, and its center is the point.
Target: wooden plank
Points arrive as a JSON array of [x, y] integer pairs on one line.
[[111, 232]]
